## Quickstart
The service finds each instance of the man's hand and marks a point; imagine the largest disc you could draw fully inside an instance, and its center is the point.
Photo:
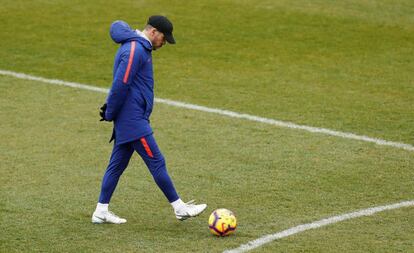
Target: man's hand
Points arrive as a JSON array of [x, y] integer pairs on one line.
[[102, 112]]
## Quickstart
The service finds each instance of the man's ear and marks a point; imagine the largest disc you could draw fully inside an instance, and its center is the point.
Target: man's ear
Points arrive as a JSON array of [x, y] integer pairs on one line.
[[152, 31]]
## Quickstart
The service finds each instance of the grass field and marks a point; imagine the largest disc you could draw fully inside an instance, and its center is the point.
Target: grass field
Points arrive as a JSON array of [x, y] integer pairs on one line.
[[341, 65]]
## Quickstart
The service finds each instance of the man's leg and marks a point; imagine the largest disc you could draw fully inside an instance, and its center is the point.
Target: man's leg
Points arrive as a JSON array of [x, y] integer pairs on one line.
[[148, 149], [121, 154]]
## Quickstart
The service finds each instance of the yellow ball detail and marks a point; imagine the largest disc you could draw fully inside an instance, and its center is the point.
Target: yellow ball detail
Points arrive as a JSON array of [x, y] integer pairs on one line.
[[222, 222]]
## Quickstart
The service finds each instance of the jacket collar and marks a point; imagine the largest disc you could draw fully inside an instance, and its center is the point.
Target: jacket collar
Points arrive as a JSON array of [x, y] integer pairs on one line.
[[142, 35]]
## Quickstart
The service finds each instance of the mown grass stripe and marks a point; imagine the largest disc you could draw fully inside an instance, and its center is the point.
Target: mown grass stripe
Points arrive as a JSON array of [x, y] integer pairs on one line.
[[227, 113]]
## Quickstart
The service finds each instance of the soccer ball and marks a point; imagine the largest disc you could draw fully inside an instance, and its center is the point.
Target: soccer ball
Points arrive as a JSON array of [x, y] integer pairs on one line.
[[222, 222]]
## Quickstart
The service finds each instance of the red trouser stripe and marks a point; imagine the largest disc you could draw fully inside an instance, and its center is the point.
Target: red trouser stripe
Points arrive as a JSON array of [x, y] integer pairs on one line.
[[146, 147], [131, 58]]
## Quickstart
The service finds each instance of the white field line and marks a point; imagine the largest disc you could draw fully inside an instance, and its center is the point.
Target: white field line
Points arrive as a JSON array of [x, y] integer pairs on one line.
[[317, 224], [223, 112]]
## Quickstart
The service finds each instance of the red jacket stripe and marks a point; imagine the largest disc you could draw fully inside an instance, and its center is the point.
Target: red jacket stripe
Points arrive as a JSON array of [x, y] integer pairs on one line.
[[131, 58]]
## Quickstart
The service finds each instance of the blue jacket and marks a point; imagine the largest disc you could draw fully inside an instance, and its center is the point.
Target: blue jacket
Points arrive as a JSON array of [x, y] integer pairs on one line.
[[131, 98]]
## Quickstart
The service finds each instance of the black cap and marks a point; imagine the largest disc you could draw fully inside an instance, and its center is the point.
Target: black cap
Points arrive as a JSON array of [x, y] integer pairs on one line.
[[163, 25]]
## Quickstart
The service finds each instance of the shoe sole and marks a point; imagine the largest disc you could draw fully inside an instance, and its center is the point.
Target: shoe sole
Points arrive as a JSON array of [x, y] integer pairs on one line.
[[97, 220], [183, 218]]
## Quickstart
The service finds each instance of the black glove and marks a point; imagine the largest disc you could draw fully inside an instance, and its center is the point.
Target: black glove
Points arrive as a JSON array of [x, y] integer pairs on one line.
[[102, 112]]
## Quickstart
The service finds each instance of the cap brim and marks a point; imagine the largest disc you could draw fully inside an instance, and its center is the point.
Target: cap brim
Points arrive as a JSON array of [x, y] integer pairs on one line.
[[170, 39]]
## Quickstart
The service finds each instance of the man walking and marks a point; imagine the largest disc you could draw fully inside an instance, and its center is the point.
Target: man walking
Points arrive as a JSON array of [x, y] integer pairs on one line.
[[129, 105]]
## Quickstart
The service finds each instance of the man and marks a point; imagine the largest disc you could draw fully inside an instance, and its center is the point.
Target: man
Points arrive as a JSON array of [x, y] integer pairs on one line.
[[129, 105]]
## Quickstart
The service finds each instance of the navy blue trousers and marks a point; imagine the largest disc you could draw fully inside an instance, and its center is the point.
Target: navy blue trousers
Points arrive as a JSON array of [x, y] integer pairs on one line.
[[148, 149]]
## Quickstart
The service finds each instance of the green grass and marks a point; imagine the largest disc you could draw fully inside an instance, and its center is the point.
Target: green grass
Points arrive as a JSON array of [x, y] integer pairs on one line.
[[368, 234], [344, 65], [334, 64], [54, 152]]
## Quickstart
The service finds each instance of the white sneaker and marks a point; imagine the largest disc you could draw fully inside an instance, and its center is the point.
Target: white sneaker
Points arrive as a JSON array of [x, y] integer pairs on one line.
[[189, 210], [99, 217]]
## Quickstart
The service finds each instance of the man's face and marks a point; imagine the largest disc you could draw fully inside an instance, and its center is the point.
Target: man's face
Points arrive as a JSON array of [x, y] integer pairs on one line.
[[158, 39]]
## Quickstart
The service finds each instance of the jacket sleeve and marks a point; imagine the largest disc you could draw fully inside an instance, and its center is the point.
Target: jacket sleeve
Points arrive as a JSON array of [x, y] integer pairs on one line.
[[129, 62]]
